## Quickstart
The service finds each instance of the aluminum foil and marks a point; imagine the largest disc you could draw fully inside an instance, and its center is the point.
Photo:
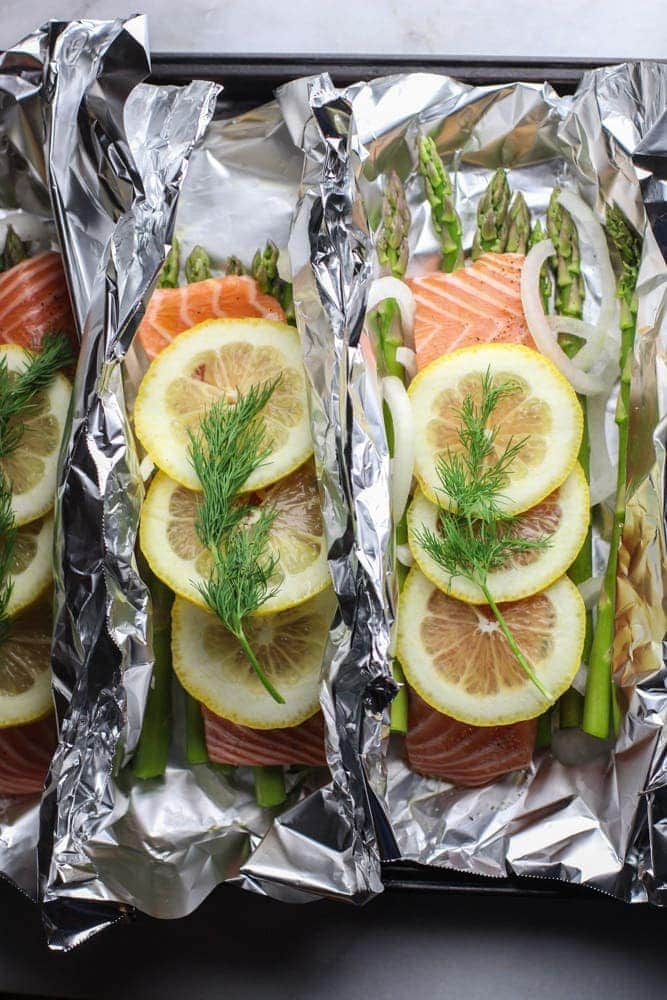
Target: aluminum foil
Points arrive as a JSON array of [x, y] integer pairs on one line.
[[601, 824], [24, 204], [113, 202]]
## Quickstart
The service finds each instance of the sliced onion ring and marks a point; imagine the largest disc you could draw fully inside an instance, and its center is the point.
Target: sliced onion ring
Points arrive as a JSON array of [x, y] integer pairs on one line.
[[407, 357], [404, 555], [540, 328], [403, 461], [590, 591], [602, 466], [394, 288]]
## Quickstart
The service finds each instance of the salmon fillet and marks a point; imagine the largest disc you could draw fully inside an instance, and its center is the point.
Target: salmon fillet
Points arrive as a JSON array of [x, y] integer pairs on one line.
[[228, 743], [173, 310], [34, 301], [440, 747], [479, 304], [25, 755]]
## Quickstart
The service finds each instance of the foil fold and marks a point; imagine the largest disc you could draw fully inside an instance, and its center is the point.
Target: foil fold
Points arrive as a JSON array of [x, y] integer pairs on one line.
[[114, 199], [601, 823]]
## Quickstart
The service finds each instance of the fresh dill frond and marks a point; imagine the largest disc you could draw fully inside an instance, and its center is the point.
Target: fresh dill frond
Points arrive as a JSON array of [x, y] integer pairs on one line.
[[7, 543], [476, 537], [19, 390], [230, 444]]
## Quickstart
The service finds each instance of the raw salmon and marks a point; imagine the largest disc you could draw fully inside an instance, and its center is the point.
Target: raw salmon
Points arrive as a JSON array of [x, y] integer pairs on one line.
[[228, 743], [25, 755], [441, 747], [34, 301], [474, 305], [173, 310]]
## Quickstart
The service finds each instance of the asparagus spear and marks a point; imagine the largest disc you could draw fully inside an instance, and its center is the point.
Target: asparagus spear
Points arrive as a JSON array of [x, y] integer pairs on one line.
[[171, 267], [518, 232], [393, 255], [197, 265], [570, 289], [15, 250], [195, 741], [440, 195], [264, 270], [599, 707], [536, 236], [234, 266], [269, 786], [150, 758], [493, 217]]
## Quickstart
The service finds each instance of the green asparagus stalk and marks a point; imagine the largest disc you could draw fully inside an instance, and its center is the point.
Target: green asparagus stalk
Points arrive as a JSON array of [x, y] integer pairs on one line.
[[150, 759], [235, 266], [492, 217], [15, 250], [440, 195], [264, 270], [197, 265], [569, 301], [170, 269], [570, 288], [393, 252], [195, 740], [518, 232], [536, 236], [269, 786], [599, 709], [543, 735]]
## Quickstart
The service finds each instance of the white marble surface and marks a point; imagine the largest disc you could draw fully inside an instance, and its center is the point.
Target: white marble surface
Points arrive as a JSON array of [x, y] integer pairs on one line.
[[597, 28]]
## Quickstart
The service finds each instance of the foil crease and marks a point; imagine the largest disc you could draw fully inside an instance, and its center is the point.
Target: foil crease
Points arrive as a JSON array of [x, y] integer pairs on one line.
[[114, 199], [600, 824]]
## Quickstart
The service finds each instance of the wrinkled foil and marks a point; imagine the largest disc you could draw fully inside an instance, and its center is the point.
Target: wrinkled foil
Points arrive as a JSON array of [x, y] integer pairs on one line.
[[24, 204], [601, 824], [113, 202]]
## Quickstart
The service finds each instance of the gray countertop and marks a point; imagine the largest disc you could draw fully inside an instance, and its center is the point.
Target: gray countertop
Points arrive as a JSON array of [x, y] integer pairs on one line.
[[597, 29]]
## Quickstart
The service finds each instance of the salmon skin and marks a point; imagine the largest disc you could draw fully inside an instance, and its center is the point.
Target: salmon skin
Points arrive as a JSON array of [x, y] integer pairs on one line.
[[173, 310], [440, 747], [34, 301], [25, 755], [479, 304], [228, 743]]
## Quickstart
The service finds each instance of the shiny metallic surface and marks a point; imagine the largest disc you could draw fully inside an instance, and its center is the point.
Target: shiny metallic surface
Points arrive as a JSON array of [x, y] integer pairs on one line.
[[601, 824], [114, 200]]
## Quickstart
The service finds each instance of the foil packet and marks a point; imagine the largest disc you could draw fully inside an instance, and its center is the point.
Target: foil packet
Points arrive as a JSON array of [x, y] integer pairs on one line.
[[599, 824]]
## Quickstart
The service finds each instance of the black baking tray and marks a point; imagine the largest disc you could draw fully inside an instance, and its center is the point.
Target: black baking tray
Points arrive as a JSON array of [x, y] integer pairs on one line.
[[250, 80]]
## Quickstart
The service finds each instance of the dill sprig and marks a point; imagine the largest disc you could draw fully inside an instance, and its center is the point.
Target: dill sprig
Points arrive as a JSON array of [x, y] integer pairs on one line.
[[476, 537], [19, 390], [228, 447]]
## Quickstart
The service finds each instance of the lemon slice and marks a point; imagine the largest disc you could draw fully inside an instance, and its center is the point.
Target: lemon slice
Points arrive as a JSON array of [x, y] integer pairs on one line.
[[217, 360], [562, 517], [212, 667], [32, 468], [31, 570], [171, 545], [543, 411], [455, 656], [25, 668]]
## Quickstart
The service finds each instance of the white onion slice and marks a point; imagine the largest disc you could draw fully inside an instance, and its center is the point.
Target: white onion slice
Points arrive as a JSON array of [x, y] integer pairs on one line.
[[403, 461], [146, 468], [394, 288], [586, 331], [602, 467], [595, 238], [590, 591], [407, 357], [540, 328], [404, 555]]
